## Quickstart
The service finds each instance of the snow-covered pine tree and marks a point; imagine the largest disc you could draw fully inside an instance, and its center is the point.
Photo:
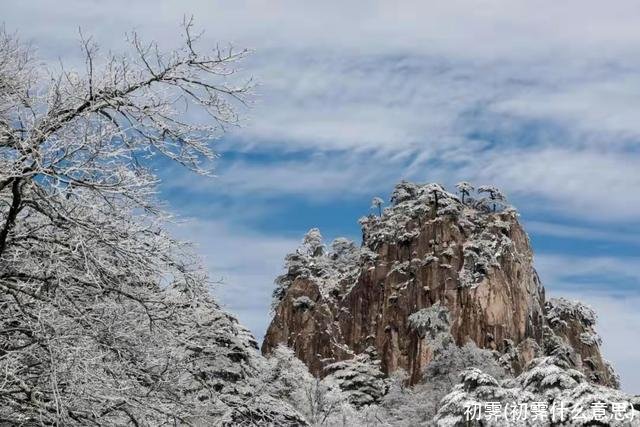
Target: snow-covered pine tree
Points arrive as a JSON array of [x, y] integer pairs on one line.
[[496, 197], [312, 243], [376, 203], [465, 189]]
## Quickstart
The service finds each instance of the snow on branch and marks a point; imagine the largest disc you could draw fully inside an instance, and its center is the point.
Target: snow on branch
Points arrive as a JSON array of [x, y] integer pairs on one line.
[[105, 318]]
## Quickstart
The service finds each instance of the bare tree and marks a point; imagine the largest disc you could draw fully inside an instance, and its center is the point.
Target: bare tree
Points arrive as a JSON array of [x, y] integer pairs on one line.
[[104, 318]]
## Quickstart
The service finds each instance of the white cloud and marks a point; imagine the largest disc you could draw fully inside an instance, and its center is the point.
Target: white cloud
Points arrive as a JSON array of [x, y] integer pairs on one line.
[[389, 75], [581, 233], [322, 177], [604, 105], [412, 79], [486, 28], [560, 271], [591, 184], [586, 184]]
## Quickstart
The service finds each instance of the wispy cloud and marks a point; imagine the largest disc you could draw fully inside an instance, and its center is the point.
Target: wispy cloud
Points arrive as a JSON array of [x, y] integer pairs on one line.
[[613, 275], [591, 184], [583, 184], [581, 233], [493, 92]]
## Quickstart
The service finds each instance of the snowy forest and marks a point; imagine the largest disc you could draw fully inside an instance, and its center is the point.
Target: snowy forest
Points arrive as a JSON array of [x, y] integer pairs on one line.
[[107, 319]]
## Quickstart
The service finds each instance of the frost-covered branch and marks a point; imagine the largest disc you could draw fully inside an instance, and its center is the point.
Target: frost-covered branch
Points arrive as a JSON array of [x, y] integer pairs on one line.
[[105, 319]]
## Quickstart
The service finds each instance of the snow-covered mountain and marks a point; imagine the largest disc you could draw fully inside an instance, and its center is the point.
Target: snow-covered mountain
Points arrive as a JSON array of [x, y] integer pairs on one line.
[[440, 309]]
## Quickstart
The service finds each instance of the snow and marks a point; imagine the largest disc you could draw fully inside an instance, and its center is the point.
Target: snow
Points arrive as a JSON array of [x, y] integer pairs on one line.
[[590, 339], [359, 378], [303, 302], [337, 269], [431, 321], [465, 188], [413, 204], [485, 244], [559, 309], [546, 379]]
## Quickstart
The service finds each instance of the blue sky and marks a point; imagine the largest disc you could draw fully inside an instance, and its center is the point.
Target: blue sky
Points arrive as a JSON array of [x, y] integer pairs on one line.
[[539, 98]]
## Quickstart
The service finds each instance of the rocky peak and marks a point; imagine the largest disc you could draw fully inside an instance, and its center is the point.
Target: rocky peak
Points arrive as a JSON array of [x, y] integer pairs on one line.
[[431, 257]]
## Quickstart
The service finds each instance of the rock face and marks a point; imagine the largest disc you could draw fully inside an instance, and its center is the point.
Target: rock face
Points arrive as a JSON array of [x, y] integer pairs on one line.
[[430, 247]]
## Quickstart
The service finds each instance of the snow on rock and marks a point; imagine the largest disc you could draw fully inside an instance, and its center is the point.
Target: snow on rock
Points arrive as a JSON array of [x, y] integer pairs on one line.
[[561, 308], [329, 269], [429, 248], [571, 333], [303, 302], [431, 321]]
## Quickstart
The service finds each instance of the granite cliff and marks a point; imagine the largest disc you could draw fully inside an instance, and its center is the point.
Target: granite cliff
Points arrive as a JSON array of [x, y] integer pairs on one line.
[[430, 248]]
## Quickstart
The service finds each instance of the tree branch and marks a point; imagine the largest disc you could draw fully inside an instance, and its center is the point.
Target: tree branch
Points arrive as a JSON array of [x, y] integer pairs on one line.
[[12, 215]]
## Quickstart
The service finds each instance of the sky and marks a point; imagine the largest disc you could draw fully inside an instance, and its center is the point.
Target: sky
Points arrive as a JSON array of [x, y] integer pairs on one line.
[[541, 99]]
